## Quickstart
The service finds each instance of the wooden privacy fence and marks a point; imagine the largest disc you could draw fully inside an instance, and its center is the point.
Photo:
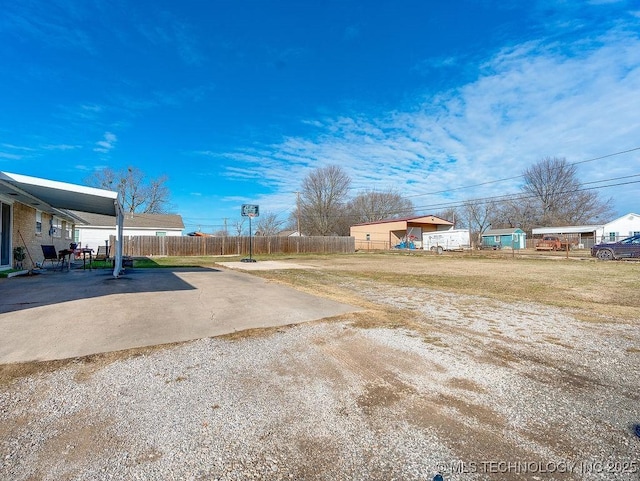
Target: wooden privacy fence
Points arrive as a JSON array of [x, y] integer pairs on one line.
[[139, 246]]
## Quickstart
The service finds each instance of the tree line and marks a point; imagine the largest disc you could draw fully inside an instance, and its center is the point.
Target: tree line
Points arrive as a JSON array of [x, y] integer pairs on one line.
[[551, 195]]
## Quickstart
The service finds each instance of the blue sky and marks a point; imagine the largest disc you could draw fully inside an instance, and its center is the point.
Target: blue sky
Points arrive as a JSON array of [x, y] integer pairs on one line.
[[237, 101]]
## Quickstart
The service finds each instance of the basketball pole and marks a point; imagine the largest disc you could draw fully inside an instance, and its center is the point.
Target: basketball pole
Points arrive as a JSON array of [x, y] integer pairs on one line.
[[250, 240], [250, 211]]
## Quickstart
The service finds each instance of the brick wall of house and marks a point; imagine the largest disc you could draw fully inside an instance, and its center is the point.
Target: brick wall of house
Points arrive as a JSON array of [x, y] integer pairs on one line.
[[24, 233]]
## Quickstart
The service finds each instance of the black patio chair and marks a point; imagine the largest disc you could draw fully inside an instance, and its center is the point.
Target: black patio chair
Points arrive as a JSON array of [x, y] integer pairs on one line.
[[50, 254]]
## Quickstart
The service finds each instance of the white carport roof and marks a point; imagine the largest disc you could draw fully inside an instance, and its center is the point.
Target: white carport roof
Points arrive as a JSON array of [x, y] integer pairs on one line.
[[575, 229], [50, 195], [58, 197]]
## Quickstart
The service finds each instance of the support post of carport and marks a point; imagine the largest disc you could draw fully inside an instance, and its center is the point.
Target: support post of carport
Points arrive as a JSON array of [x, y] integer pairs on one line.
[[117, 265]]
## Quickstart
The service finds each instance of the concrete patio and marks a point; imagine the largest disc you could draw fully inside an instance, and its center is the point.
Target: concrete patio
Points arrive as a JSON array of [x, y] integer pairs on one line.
[[59, 315]]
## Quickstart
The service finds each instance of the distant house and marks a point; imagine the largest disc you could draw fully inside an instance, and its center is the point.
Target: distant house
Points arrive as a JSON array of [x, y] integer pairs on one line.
[[514, 238], [96, 229], [587, 235], [386, 234], [289, 233]]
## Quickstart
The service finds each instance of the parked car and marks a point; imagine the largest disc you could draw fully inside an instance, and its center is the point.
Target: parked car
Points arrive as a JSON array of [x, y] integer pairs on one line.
[[623, 249]]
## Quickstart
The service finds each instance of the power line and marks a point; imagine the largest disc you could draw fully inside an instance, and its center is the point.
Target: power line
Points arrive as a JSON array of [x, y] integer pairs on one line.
[[446, 191], [518, 196], [522, 175], [606, 156]]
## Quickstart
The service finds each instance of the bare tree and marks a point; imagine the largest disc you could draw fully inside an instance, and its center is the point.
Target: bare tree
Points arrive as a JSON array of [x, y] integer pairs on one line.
[[373, 206], [479, 216], [516, 212], [322, 200], [452, 214], [239, 226], [136, 193], [559, 197], [268, 224]]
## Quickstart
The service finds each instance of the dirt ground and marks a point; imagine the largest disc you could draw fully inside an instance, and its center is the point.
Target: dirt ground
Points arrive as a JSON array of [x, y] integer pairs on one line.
[[432, 377]]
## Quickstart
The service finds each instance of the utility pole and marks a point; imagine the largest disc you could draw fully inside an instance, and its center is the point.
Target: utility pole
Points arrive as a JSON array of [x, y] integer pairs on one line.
[[298, 211], [298, 217], [225, 225]]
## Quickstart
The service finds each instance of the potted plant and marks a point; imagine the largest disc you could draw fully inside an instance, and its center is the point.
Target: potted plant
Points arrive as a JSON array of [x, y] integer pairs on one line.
[[19, 255]]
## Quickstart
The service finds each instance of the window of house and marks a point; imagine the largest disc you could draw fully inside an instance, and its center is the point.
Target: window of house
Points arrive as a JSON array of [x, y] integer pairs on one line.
[[67, 230], [56, 227], [612, 236], [161, 234], [38, 222], [496, 238], [76, 235]]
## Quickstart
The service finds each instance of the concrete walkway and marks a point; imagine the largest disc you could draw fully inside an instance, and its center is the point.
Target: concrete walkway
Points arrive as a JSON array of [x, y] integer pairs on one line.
[[58, 315]]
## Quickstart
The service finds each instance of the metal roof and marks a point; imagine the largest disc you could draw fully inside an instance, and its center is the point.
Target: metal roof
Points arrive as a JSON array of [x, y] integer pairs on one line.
[[575, 229], [50, 196], [494, 232], [421, 219]]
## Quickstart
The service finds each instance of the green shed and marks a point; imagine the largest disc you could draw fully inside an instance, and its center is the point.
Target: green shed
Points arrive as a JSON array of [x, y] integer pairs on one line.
[[498, 238]]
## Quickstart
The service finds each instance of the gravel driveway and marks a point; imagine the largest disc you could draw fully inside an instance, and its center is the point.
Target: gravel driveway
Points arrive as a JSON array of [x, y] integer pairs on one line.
[[475, 389]]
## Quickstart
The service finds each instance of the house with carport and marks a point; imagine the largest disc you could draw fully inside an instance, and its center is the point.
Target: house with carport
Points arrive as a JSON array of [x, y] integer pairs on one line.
[[36, 212], [585, 236], [390, 233]]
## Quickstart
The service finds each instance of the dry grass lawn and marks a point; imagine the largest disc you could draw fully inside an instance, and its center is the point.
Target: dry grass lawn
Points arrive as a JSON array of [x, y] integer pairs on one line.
[[595, 290]]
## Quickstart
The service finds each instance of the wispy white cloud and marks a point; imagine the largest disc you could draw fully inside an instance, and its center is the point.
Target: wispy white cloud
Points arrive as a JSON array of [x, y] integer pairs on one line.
[[23, 151], [107, 144], [50, 26], [5, 155], [89, 168], [61, 147], [94, 108], [429, 65], [537, 99], [18, 147], [168, 30]]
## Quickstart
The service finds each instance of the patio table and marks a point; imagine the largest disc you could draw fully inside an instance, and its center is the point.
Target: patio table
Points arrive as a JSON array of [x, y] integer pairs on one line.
[[65, 254], [84, 253]]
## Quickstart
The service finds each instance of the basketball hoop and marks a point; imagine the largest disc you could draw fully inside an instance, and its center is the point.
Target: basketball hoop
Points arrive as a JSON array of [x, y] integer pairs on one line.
[[250, 210]]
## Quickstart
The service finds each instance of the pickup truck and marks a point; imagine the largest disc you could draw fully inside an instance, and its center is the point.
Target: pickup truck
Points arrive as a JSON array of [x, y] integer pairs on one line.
[[554, 243]]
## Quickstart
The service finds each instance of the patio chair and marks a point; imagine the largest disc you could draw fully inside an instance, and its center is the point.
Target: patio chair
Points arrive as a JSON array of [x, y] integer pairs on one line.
[[50, 254], [103, 255]]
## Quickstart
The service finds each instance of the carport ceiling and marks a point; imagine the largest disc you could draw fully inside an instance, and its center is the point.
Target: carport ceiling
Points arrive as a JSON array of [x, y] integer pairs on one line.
[[34, 191]]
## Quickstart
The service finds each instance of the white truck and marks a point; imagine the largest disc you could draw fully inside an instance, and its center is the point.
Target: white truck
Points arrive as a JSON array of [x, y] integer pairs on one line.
[[446, 240]]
